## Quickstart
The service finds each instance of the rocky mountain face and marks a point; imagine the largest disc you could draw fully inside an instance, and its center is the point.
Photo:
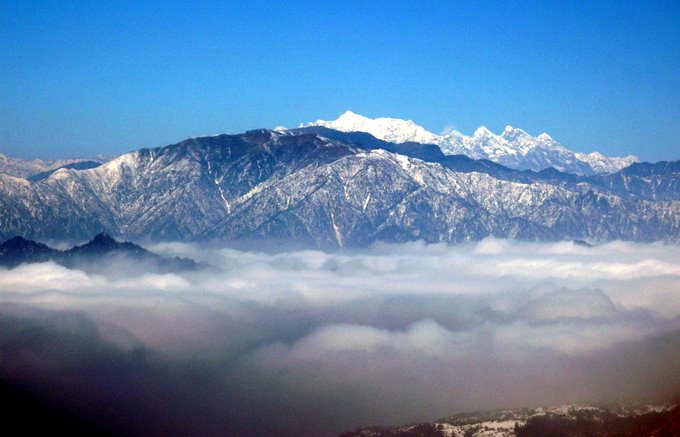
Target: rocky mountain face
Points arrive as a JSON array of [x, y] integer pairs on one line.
[[323, 188], [513, 148]]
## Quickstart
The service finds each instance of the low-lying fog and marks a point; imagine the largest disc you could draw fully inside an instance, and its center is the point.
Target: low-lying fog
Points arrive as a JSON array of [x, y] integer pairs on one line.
[[312, 343]]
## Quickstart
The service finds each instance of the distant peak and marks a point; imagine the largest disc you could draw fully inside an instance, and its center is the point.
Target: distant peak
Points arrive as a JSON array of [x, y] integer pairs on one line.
[[482, 131], [349, 115], [102, 243], [262, 131], [513, 133], [510, 129], [395, 130], [512, 147]]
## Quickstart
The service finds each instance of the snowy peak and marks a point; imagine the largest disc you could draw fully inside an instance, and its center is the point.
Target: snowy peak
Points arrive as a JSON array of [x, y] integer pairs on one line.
[[514, 148], [389, 129], [602, 164], [509, 130], [512, 134], [483, 131], [351, 118]]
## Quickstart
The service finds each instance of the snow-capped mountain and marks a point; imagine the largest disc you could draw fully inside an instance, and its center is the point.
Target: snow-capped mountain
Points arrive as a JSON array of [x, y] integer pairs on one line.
[[603, 164], [24, 168], [393, 130], [320, 187], [513, 148]]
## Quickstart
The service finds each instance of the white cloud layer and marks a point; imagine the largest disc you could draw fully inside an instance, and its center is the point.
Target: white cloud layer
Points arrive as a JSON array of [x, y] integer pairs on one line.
[[392, 334]]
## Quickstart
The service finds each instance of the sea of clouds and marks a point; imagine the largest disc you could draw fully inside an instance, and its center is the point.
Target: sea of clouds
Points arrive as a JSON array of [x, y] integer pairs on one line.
[[315, 343]]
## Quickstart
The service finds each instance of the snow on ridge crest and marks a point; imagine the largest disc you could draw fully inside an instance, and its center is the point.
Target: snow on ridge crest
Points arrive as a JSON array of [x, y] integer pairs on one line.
[[389, 129], [514, 147], [482, 131]]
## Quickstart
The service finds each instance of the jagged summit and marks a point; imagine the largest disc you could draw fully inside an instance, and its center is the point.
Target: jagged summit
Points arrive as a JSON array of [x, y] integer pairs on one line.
[[103, 240], [511, 133], [514, 147], [103, 244], [483, 131]]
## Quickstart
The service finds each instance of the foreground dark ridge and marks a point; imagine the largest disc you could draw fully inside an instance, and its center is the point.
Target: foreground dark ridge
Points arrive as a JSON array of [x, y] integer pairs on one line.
[[566, 421], [322, 188], [18, 250]]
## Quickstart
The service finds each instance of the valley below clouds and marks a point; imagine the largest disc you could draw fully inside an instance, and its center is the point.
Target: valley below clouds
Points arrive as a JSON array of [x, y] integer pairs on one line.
[[317, 343]]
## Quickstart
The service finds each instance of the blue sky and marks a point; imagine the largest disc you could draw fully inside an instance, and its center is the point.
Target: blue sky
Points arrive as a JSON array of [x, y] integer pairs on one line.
[[83, 78]]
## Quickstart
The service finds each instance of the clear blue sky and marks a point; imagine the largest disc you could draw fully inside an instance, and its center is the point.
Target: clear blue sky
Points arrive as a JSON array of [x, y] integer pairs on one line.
[[82, 78]]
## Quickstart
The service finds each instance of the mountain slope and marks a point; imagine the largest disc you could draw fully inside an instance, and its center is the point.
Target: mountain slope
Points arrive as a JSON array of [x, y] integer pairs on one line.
[[513, 148], [324, 188]]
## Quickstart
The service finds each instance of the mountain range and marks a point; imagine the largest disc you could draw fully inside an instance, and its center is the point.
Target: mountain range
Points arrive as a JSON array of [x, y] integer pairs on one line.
[[513, 148], [321, 187]]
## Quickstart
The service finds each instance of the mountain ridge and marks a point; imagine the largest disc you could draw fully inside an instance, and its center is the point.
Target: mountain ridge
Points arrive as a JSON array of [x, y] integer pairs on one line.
[[19, 250], [325, 188], [513, 148], [39, 168]]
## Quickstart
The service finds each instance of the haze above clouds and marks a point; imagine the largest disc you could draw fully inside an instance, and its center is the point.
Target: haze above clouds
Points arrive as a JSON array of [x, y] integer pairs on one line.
[[314, 343]]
